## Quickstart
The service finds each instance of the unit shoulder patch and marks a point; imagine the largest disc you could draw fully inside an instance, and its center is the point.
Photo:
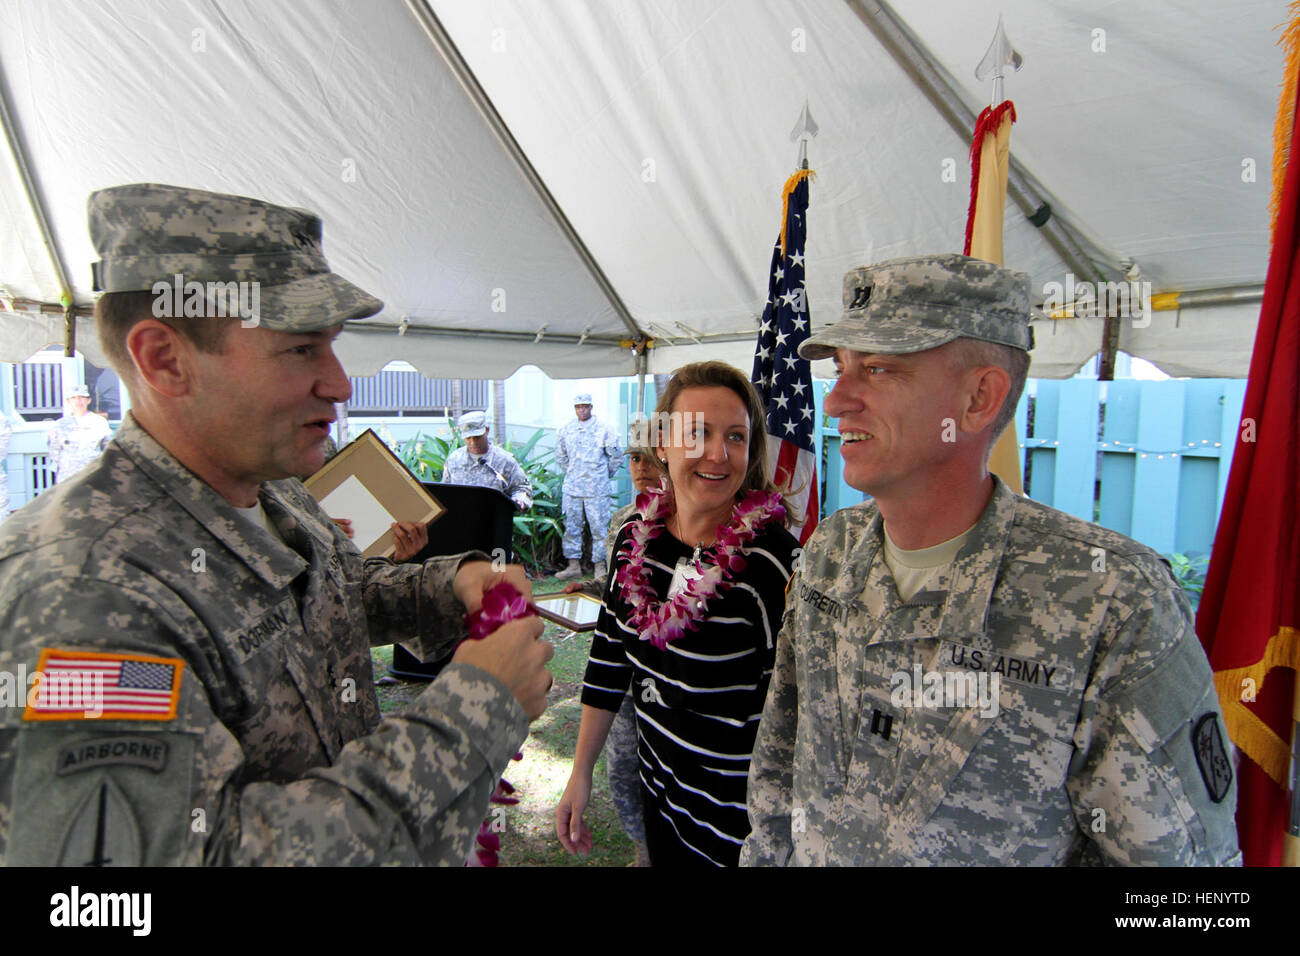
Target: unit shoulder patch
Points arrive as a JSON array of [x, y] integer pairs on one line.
[[1211, 756], [104, 831]]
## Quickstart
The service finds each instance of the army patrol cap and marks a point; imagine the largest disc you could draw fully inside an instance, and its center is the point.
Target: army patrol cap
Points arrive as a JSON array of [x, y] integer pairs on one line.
[[147, 233], [582, 398], [472, 424], [922, 302], [82, 391]]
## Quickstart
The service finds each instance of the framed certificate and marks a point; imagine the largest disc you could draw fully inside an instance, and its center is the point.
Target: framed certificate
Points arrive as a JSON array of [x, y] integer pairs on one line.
[[367, 484], [576, 611]]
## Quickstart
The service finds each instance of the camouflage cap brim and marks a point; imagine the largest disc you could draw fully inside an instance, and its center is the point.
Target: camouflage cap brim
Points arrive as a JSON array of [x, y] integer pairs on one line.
[[880, 338], [314, 303]]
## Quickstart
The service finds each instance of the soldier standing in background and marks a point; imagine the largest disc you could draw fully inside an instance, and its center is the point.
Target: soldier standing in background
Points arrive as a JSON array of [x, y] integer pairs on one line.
[[486, 465], [77, 438], [588, 453], [6, 430], [963, 675]]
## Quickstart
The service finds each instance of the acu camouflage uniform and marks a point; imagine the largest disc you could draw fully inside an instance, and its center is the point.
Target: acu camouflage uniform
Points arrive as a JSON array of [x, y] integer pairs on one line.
[[5, 431], [75, 441], [1107, 745], [497, 469], [589, 455], [622, 765], [276, 736], [1108, 742]]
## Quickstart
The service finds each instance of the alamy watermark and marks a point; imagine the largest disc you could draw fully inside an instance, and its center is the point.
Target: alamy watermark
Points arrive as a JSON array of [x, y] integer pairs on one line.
[[1090, 300], [207, 300], [56, 691], [946, 689], [667, 430], [129, 910]]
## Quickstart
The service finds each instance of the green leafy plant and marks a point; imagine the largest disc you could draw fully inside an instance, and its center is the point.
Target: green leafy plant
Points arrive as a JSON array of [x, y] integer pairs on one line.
[[539, 531], [1189, 572], [426, 456]]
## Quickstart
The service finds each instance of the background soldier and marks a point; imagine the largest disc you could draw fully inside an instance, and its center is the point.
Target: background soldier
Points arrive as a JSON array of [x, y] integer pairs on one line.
[[77, 438], [587, 451], [1104, 741], [203, 628], [6, 430], [486, 465]]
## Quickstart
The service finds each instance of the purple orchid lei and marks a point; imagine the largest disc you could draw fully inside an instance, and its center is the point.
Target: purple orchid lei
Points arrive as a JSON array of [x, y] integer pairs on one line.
[[501, 604], [662, 621]]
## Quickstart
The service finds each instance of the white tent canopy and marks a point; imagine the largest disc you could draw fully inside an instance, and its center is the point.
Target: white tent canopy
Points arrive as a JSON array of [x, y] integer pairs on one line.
[[632, 184]]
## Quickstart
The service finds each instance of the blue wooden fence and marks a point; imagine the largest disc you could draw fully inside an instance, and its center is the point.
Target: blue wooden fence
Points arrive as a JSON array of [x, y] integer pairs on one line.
[[410, 393], [1148, 459]]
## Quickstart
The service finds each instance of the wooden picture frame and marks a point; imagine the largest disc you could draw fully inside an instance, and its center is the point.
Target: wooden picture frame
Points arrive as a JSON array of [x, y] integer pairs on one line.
[[368, 474], [577, 611]]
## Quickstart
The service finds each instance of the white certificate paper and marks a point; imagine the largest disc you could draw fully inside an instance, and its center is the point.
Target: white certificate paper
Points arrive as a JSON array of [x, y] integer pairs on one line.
[[353, 500]]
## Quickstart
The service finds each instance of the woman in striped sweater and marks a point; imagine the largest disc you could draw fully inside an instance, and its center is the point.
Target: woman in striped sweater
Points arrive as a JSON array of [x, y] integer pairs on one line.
[[689, 623]]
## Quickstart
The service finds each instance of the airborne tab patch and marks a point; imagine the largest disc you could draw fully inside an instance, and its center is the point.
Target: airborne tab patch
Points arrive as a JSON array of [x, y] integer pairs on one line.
[[89, 685], [137, 751]]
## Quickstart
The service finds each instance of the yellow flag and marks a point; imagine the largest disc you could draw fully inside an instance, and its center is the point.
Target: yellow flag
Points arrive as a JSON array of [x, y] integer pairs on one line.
[[990, 156]]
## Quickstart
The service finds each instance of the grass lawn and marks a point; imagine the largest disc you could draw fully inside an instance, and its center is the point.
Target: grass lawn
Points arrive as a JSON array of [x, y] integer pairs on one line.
[[539, 779]]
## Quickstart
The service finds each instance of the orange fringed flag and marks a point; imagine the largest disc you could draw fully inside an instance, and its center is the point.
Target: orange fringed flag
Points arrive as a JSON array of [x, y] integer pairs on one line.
[[1283, 128]]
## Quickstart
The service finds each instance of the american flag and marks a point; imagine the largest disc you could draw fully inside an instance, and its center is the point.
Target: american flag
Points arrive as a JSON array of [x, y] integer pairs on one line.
[[783, 379], [106, 686]]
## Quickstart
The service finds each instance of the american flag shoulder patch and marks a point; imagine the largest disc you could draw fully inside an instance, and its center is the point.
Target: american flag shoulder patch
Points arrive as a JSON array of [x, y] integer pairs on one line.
[[90, 685]]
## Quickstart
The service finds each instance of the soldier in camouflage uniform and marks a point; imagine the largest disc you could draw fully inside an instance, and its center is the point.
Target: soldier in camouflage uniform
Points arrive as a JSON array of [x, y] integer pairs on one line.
[[485, 465], [203, 629], [6, 430], [76, 439], [622, 765], [588, 453], [965, 675]]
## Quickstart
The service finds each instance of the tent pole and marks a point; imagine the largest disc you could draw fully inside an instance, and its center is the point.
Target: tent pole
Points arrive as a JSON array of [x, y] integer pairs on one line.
[[446, 48], [1109, 349], [640, 382], [42, 222], [1030, 195]]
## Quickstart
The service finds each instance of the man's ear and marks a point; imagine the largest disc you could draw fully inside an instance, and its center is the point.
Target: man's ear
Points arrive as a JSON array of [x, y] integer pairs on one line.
[[988, 388], [162, 357]]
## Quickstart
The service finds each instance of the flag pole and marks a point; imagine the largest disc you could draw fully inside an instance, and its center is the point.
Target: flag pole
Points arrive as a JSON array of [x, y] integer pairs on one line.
[[999, 54], [990, 161], [1291, 841], [804, 129], [783, 380]]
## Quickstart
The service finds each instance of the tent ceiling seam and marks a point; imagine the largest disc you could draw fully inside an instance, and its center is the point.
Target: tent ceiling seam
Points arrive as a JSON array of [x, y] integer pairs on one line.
[[18, 153], [661, 341], [450, 53]]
